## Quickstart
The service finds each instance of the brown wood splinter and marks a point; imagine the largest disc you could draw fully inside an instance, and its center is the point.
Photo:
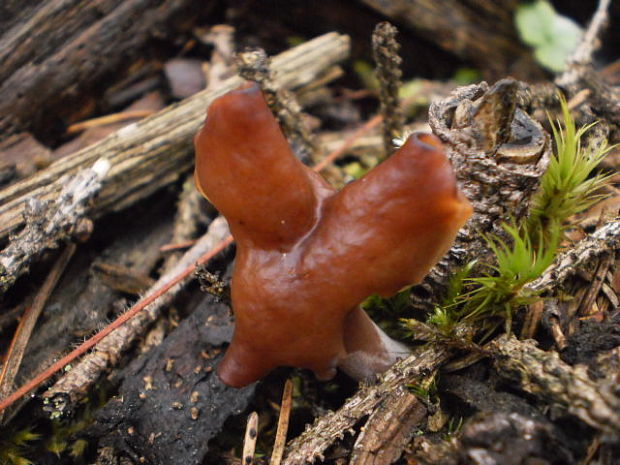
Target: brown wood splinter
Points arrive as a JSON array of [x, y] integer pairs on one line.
[[307, 255]]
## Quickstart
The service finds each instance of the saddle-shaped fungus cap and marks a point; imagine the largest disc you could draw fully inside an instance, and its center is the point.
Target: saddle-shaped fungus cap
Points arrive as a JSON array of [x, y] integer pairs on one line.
[[308, 255]]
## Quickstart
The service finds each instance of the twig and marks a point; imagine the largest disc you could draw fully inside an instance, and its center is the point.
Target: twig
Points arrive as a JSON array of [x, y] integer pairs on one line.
[[385, 52], [249, 440], [119, 322], [50, 222], [108, 119], [590, 41], [26, 325], [177, 246], [74, 384], [366, 127], [557, 333], [285, 413], [603, 241]]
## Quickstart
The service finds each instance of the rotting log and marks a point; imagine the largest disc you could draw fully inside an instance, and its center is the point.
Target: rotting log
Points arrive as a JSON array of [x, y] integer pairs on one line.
[[154, 152], [479, 31], [60, 49]]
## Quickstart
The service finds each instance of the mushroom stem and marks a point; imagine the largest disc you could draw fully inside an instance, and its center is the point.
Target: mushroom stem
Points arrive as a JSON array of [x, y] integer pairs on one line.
[[368, 349]]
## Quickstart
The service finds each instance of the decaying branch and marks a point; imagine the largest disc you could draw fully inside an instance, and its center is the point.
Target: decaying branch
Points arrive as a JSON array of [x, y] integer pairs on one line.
[[543, 374], [74, 385], [154, 152], [389, 429], [590, 42], [49, 222], [604, 240], [313, 443]]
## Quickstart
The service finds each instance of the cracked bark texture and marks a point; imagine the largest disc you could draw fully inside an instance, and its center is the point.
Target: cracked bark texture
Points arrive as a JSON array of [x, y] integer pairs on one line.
[[499, 154], [313, 442], [544, 375]]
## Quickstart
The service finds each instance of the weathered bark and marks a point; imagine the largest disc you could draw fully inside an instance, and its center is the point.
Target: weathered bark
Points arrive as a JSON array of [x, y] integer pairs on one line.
[[327, 429], [62, 48], [48, 223], [155, 151], [499, 154], [480, 31], [389, 429], [544, 375]]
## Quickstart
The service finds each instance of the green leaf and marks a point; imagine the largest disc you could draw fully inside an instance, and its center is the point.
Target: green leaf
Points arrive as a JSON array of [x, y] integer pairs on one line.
[[534, 21], [554, 37]]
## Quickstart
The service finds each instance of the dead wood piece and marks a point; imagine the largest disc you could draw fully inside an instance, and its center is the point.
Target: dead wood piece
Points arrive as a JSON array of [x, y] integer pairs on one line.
[[543, 374], [479, 31], [603, 99], [75, 384], [590, 42], [389, 429], [599, 243], [52, 57], [50, 222], [154, 152], [171, 402], [249, 440], [191, 210], [499, 154], [283, 421], [327, 429]]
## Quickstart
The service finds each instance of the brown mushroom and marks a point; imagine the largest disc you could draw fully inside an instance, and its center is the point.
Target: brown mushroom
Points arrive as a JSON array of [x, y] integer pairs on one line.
[[307, 255]]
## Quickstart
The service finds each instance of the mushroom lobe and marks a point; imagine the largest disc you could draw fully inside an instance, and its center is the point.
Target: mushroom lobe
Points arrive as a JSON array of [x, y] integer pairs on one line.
[[307, 255]]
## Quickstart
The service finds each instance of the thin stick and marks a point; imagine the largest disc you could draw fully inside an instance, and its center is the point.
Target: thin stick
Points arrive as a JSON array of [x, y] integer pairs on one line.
[[177, 246], [26, 325], [88, 344], [371, 123], [285, 413], [108, 119], [249, 442]]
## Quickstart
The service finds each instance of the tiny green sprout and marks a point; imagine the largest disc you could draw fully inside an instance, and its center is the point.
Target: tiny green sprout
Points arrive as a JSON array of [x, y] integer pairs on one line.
[[454, 426], [14, 446], [425, 389]]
